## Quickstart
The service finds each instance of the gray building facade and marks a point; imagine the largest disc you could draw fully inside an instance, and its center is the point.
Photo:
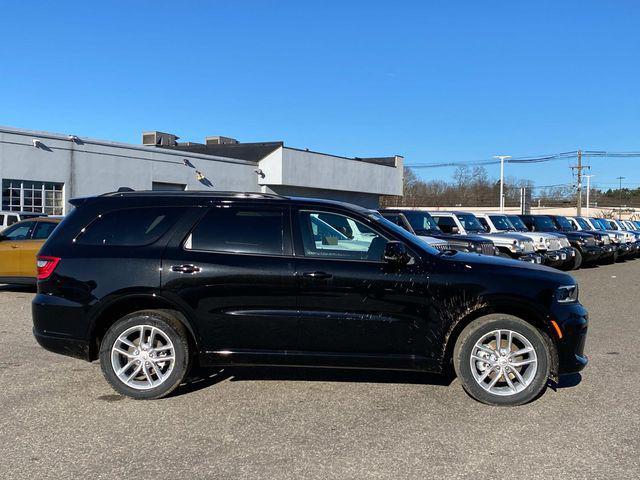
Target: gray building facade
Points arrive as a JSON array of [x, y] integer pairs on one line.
[[41, 171]]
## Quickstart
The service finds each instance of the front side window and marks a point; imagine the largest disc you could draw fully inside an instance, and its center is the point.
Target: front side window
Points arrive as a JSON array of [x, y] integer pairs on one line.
[[565, 224], [321, 239], [470, 222], [544, 224], [517, 223], [247, 230], [18, 231], [131, 227], [502, 223], [422, 221]]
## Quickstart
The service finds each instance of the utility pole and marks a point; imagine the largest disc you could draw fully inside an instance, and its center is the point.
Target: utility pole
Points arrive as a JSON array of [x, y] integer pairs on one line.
[[620, 191], [588, 177], [579, 169], [502, 159]]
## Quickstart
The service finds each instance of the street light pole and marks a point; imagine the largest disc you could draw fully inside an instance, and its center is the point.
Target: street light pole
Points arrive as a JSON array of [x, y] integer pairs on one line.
[[502, 159], [620, 192], [588, 177]]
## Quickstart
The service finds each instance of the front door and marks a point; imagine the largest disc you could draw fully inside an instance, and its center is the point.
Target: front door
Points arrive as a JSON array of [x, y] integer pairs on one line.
[[235, 271], [352, 302]]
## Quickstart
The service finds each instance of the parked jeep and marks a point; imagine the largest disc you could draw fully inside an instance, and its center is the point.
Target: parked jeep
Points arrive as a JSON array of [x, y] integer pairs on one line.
[[510, 245], [541, 224], [588, 250], [619, 226], [603, 239], [151, 283], [424, 225]]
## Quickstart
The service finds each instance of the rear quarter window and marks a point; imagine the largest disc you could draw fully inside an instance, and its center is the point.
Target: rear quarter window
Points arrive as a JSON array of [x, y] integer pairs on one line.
[[130, 227]]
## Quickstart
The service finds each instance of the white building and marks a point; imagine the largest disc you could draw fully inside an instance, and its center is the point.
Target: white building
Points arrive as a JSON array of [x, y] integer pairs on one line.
[[41, 171]]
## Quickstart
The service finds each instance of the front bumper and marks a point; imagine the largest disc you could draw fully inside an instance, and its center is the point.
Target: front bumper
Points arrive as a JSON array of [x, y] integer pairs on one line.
[[591, 253], [532, 258], [573, 320], [557, 258]]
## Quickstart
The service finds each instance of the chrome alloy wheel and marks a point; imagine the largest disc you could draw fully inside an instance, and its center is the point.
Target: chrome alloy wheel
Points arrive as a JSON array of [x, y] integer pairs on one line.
[[143, 357], [503, 362]]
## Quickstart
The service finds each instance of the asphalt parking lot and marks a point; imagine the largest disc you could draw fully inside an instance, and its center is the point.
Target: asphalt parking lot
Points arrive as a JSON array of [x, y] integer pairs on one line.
[[59, 418]]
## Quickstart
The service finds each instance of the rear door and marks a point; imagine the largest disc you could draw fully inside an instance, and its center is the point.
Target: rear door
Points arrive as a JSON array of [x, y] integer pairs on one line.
[[235, 271], [13, 239]]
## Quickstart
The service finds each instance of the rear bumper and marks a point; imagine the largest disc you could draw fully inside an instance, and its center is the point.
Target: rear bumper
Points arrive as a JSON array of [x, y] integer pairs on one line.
[[573, 321], [61, 326], [71, 347]]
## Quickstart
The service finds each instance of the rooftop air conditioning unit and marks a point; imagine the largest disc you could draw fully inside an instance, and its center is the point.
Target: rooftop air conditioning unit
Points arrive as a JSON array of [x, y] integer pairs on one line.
[[159, 139], [218, 140]]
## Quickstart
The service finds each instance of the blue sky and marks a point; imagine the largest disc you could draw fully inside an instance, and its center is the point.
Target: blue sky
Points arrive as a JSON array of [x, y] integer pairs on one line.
[[431, 80]]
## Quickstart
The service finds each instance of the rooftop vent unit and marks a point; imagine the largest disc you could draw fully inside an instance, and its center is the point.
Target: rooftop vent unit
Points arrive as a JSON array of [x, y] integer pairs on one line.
[[159, 139], [218, 140]]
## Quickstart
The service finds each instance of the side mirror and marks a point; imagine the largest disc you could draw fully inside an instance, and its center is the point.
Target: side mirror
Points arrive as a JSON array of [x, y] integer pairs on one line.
[[396, 253], [455, 230]]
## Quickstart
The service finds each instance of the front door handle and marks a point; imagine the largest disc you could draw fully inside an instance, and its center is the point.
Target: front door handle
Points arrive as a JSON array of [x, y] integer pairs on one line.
[[185, 268], [317, 275]]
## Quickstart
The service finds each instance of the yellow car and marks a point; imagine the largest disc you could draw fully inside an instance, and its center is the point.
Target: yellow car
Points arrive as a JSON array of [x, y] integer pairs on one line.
[[19, 245]]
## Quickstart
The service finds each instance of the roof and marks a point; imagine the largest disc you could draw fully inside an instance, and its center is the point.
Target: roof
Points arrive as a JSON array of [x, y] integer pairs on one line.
[[208, 194], [253, 152]]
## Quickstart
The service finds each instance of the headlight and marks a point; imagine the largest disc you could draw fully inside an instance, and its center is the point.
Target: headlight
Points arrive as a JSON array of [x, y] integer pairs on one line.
[[516, 246], [547, 241], [567, 294]]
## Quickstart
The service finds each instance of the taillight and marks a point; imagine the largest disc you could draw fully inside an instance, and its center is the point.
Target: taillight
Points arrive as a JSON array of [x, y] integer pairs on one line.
[[46, 266]]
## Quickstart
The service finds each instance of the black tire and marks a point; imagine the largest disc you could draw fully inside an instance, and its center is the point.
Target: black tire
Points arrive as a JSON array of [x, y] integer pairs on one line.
[[577, 263], [611, 260], [504, 255], [172, 328], [482, 326]]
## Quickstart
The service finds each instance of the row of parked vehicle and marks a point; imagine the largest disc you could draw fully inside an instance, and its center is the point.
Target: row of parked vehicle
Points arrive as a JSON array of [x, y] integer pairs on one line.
[[566, 243]]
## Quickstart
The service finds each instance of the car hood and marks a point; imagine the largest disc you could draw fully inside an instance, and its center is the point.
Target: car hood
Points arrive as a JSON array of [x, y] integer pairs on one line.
[[504, 238], [498, 265]]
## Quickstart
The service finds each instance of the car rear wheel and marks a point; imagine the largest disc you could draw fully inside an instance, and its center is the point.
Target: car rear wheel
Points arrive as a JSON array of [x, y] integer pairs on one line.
[[502, 360], [145, 355]]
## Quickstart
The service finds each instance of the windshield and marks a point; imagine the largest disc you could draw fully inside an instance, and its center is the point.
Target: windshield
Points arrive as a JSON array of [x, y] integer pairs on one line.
[[470, 222], [422, 222], [517, 223], [598, 224], [565, 224], [375, 216], [544, 224], [502, 223], [583, 223]]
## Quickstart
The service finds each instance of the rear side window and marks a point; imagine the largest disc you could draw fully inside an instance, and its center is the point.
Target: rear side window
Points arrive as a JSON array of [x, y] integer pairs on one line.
[[43, 230], [240, 230], [131, 227]]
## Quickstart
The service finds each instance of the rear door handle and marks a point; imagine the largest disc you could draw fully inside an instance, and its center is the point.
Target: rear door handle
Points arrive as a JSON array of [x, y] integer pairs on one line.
[[185, 268], [317, 275]]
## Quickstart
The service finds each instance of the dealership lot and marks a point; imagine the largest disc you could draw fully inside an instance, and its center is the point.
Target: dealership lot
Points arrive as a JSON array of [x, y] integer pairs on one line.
[[60, 419]]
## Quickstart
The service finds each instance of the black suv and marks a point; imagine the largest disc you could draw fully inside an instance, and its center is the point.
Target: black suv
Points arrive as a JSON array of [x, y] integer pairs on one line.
[[150, 283]]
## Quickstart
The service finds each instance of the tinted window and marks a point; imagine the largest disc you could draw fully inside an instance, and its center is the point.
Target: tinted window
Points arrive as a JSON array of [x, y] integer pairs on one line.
[[470, 222], [131, 227], [18, 231], [240, 230], [583, 224], [501, 222], [446, 222], [1, 219], [11, 219], [43, 230], [321, 239]]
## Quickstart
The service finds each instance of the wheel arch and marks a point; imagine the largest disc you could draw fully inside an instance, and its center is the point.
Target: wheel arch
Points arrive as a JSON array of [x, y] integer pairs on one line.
[[111, 311], [517, 308]]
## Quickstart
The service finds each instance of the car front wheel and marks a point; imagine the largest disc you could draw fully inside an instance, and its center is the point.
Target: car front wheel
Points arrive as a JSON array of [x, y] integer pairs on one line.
[[502, 360], [145, 355]]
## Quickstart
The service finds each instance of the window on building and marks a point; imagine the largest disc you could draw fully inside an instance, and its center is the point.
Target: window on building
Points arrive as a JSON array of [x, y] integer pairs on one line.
[[240, 230], [131, 227], [33, 196]]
